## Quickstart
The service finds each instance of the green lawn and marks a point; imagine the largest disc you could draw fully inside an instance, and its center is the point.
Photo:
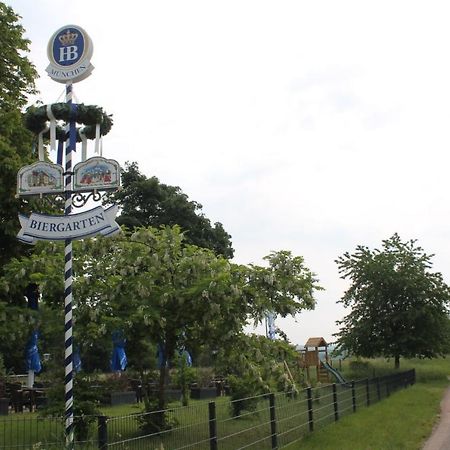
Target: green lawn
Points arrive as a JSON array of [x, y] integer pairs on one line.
[[403, 421]]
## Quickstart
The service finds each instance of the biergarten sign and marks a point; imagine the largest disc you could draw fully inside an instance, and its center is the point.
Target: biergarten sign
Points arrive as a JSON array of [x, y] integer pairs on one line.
[[44, 227]]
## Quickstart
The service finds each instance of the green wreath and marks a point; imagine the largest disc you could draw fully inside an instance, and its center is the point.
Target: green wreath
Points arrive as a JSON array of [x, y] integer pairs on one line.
[[36, 119]]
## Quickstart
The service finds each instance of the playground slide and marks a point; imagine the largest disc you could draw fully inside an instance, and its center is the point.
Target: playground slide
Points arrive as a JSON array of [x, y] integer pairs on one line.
[[334, 372]]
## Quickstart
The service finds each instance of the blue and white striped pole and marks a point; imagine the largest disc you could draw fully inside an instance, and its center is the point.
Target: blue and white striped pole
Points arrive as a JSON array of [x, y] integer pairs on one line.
[[68, 355]]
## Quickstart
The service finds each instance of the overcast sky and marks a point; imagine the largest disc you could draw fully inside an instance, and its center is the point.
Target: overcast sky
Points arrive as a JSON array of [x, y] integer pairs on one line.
[[306, 126]]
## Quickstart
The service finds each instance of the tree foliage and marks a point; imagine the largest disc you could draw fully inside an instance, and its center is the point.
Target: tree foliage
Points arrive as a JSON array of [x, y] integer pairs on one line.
[[255, 365], [148, 202], [399, 307], [157, 289], [286, 286], [17, 76]]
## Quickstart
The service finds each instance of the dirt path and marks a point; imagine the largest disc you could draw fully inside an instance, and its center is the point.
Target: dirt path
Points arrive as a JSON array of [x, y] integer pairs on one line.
[[440, 438]]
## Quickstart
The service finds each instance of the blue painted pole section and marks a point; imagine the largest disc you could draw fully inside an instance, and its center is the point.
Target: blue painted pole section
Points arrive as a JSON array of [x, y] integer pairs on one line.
[[68, 355]]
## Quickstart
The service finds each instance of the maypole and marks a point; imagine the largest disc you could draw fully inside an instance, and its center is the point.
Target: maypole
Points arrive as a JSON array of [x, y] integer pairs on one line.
[[68, 355], [69, 52]]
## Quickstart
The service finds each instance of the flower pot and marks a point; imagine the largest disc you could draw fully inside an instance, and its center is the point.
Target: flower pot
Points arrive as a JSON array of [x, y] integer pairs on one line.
[[4, 406], [122, 398], [202, 393]]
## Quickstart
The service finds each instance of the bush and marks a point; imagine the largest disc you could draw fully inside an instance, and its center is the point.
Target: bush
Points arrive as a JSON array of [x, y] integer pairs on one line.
[[152, 420], [85, 406], [359, 369], [244, 394], [183, 378]]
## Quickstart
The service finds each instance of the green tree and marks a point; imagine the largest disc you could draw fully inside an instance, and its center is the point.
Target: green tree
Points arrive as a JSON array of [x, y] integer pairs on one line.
[[160, 290], [148, 202], [156, 288], [399, 308], [17, 75]]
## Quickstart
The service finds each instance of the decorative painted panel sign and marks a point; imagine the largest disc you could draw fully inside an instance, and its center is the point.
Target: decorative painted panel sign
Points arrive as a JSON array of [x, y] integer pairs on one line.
[[40, 178], [69, 51], [96, 173], [42, 227]]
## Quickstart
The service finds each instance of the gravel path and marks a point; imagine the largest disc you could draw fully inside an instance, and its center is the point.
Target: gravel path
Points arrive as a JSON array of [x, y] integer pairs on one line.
[[440, 438]]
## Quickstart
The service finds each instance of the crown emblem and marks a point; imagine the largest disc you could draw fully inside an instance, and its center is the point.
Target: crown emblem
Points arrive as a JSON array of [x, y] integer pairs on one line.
[[68, 38]]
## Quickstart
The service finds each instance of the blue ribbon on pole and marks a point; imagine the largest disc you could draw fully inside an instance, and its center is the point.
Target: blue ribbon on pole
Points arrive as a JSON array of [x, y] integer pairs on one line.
[[33, 360], [73, 130], [59, 155]]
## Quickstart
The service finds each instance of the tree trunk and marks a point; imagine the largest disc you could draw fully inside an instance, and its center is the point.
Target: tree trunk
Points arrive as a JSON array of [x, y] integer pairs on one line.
[[397, 361], [163, 374], [162, 385]]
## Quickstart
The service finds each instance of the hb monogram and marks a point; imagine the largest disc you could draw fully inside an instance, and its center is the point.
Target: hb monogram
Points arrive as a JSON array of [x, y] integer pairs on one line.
[[68, 52]]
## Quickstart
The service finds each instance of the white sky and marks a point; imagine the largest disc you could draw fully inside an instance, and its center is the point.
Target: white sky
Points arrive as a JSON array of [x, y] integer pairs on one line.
[[306, 126]]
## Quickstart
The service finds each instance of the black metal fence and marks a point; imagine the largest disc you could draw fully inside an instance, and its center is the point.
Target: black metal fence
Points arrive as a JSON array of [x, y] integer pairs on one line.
[[269, 421]]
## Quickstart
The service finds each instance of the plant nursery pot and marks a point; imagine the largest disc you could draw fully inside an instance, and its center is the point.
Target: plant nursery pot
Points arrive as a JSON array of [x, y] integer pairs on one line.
[[122, 398], [202, 393], [4, 406], [172, 394]]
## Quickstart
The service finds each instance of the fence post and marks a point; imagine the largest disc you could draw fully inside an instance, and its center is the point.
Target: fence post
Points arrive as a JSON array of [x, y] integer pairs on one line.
[[310, 409], [335, 402], [273, 422], [353, 396], [212, 426], [102, 432], [378, 389], [388, 388], [367, 392]]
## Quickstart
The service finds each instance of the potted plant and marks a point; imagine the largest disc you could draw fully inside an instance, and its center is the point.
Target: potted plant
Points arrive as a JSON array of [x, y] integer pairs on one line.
[[4, 400]]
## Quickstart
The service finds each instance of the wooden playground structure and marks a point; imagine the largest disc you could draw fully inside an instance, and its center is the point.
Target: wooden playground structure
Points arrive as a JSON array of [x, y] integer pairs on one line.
[[315, 350]]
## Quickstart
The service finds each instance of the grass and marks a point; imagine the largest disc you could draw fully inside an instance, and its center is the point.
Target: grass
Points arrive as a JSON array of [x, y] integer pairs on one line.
[[404, 421], [427, 370]]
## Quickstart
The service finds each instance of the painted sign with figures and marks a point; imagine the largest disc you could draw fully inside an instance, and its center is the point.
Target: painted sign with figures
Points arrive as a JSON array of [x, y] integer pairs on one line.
[[96, 173]]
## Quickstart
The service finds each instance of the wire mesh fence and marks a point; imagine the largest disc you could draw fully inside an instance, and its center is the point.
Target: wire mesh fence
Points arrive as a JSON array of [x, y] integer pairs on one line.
[[24, 431], [268, 421]]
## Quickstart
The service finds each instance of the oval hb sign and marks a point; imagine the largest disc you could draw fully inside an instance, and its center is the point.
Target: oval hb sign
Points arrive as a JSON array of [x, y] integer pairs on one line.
[[69, 51]]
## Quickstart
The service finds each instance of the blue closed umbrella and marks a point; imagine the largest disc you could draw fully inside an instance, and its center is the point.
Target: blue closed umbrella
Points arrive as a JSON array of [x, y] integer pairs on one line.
[[33, 360], [160, 354], [187, 357], [76, 360], [118, 358]]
